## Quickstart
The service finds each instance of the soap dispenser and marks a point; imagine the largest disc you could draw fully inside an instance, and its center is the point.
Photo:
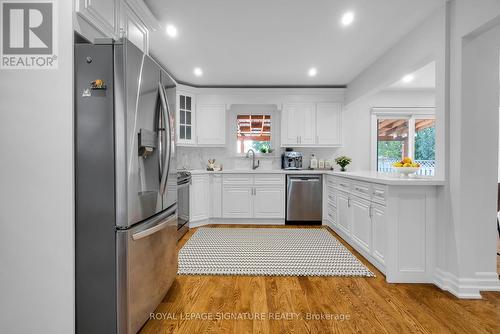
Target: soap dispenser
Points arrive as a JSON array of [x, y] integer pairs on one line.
[[313, 163]]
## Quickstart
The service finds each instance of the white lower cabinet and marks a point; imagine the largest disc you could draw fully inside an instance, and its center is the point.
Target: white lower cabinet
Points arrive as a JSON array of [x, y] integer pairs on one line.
[[215, 194], [199, 198], [248, 196], [344, 213], [237, 202], [358, 219], [379, 231], [361, 222], [392, 226], [269, 202]]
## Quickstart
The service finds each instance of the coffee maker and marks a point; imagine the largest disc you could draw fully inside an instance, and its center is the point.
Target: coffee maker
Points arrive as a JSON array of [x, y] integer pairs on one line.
[[291, 159]]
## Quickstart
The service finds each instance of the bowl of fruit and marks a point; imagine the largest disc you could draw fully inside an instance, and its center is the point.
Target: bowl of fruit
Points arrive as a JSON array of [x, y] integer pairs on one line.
[[406, 167]]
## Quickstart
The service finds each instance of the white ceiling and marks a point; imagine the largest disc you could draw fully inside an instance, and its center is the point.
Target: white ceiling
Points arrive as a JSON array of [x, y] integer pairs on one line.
[[424, 78], [275, 42]]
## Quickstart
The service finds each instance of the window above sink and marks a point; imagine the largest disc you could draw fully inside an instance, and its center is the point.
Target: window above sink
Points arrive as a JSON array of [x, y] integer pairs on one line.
[[253, 132]]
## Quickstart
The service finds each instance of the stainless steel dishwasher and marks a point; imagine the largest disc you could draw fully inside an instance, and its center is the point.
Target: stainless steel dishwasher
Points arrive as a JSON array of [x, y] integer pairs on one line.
[[304, 199]]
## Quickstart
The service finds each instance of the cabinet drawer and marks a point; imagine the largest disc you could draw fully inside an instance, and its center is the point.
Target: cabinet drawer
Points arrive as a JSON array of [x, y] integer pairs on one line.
[[379, 193], [343, 184], [331, 197], [269, 179], [330, 181], [331, 213], [233, 179], [362, 189]]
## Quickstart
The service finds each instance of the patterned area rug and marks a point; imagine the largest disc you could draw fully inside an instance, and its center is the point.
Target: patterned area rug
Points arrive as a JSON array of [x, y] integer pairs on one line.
[[268, 252]]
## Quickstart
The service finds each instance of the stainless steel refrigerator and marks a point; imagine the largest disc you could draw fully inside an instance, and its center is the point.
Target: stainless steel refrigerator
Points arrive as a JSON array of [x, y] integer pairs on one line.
[[126, 187]]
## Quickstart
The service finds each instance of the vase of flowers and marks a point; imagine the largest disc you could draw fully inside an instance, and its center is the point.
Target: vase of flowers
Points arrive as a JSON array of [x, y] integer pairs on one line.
[[343, 161]]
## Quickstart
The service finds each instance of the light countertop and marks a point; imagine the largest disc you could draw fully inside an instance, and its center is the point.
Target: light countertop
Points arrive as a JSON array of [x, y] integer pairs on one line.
[[369, 176]]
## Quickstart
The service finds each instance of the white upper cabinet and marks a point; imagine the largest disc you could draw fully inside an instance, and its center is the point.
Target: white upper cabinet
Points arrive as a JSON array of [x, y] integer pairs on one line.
[[101, 14], [134, 29], [298, 123], [199, 124], [185, 119], [211, 124], [116, 19], [311, 124], [328, 124]]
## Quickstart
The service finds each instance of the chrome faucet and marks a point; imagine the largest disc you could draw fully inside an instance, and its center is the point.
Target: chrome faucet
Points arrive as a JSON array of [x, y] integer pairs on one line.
[[254, 166]]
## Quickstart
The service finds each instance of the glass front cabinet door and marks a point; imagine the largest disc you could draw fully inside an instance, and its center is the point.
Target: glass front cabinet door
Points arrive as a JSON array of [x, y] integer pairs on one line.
[[185, 117]]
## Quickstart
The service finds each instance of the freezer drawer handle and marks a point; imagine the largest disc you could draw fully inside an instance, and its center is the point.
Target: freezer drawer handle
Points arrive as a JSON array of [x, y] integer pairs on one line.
[[154, 229]]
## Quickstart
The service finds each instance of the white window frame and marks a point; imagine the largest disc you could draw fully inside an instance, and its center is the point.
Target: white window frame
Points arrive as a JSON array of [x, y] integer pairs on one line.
[[411, 114], [233, 128]]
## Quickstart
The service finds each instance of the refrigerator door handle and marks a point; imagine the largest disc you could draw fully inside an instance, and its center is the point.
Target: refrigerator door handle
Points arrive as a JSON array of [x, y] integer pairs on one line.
[[154, 229], [165, 126]]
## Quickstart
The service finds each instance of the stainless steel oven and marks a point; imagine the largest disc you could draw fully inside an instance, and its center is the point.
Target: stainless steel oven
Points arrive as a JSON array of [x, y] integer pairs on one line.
[[183, 182]]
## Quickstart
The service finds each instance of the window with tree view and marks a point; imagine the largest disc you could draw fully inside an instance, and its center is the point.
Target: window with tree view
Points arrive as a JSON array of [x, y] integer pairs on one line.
[[254, 132], [408, 136]]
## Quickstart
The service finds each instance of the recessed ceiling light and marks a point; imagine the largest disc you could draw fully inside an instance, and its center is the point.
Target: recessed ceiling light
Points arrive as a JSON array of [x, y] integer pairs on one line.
[[171, 30], [408, 78], [347, 19], [312, 72], [198, 72]]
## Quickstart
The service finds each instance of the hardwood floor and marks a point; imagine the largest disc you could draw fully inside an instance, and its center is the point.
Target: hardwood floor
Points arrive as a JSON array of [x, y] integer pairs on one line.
[[195, 304]]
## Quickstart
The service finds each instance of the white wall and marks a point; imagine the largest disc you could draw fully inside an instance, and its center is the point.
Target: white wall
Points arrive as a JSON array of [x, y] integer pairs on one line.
[[424, 44], [36, 194], [467, 251]]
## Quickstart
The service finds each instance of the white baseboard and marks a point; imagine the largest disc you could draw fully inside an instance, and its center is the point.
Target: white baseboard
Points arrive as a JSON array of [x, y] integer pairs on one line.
[[232, 221], [467, 288]]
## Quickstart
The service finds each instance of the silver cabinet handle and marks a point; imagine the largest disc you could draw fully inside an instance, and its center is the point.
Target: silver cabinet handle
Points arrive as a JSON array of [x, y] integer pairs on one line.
[[361, 190], [348, 202], [370, 213]]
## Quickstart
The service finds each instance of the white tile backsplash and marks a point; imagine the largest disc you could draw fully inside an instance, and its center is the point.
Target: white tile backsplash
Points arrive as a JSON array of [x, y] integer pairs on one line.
[[197, 157]]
